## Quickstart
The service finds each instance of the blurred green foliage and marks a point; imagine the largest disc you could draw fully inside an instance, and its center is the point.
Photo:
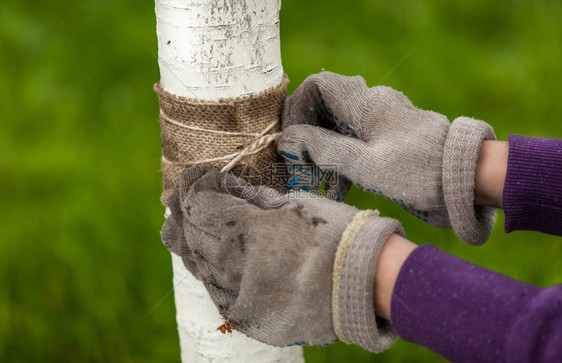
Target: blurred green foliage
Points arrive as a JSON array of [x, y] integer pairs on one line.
[[81, 263]]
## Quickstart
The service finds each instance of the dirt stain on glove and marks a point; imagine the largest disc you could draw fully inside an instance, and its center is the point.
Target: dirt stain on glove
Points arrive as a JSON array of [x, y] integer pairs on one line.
[[317, 220]]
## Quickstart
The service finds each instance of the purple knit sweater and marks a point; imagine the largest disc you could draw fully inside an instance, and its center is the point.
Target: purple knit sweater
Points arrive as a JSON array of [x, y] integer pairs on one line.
[[470, 314]]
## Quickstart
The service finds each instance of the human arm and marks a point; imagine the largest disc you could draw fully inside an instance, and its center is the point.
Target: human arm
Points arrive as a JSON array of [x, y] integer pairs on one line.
[[268, 266], [524, 178], [444, 174], [467, 313], [464, 312]]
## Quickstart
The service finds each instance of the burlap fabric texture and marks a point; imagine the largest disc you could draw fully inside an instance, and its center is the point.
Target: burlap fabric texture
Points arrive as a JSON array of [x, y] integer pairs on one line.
[[244, 116]]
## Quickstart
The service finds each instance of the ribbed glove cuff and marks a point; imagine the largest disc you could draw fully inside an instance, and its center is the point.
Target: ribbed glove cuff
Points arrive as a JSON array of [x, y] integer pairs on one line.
[[472, 224], [353, 308]]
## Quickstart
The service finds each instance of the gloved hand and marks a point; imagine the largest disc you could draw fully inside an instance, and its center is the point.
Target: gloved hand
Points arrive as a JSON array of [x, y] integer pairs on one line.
[[379, 140], [282, 271]]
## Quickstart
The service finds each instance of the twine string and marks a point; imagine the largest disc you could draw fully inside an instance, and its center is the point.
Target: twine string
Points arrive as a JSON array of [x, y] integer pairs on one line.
[[261, 141]]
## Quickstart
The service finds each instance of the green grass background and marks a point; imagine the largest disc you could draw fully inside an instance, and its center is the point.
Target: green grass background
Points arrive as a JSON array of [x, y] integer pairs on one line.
[[81, 263]]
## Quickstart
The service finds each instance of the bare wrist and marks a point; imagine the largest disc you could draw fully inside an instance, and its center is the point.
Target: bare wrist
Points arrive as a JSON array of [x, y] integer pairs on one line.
[[393, 255], [490, 173]]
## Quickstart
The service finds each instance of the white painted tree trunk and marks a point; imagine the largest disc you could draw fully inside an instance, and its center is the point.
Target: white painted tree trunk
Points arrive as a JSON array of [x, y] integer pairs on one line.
[[212, 49]]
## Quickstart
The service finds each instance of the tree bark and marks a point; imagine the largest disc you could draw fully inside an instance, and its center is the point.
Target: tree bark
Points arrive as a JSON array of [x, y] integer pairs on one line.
[[209, 50]]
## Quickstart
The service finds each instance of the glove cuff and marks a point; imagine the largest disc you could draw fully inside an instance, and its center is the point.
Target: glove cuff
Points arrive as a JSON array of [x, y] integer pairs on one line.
[[353, 308], [472, 224]]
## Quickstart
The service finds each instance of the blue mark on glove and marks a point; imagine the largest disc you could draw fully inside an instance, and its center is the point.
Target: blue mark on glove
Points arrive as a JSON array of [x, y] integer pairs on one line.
[[287, 155], [293, 182]]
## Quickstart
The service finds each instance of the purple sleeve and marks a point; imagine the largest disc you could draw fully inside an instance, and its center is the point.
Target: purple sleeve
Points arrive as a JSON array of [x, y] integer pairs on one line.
[[467, 313], [532, 195]]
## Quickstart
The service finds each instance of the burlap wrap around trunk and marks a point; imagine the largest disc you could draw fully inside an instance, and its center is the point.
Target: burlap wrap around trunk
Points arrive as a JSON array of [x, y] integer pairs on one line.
[[183, 146]]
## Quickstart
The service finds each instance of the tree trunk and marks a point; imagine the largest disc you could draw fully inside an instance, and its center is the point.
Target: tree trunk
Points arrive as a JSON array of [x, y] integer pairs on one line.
[[209, 50]]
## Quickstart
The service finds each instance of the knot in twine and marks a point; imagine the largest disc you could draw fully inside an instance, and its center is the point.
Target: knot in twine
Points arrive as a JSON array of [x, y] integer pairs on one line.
[[262, 140], [221, 133]]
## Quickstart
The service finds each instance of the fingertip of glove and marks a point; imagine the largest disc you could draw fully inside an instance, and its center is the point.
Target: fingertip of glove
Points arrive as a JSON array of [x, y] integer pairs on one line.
[[171, 235]]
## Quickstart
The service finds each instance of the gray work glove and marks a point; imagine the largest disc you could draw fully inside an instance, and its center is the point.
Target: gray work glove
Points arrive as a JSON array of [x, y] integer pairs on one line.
[[376, 138], [282, 271]]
